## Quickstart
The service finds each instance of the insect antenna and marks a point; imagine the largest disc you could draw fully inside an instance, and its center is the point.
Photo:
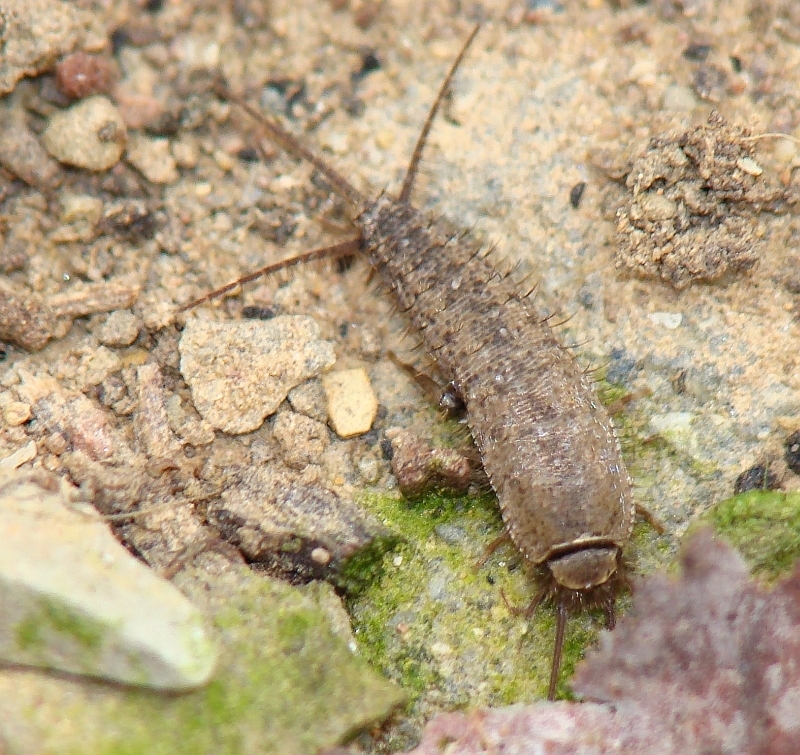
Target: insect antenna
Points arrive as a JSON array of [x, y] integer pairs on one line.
[[337, 250], [411, 173], [294, 146]]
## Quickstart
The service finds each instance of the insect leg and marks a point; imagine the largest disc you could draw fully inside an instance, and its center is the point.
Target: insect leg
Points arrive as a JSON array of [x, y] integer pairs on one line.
[[650, 518], [528, 610], [411, 173], [491, 548], [337, 250]]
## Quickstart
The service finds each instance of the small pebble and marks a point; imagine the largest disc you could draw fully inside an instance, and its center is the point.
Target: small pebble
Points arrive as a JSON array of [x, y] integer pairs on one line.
[[81, 208], [420, 468], [80, 75], [302, 439], [152, 158], [17, 413], [186, 153], [89, 135], [120, 329], [669, 320], [25, 320], [22, 153], [321, 556], [657, 207], [369, 469], [309, 399], [352, 405], [80, 213]]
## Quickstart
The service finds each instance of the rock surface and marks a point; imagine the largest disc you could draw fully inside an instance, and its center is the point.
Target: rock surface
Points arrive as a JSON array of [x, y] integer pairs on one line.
[[36, 32], [240, 372], [521, 132], [75, 600], [293, 526], [286, 684]]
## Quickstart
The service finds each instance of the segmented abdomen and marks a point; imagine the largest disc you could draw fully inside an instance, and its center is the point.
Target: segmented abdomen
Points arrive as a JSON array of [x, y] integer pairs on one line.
[[548, 445]]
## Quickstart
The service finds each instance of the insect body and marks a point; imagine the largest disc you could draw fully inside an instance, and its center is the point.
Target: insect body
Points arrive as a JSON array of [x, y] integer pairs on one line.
[[547, 444]]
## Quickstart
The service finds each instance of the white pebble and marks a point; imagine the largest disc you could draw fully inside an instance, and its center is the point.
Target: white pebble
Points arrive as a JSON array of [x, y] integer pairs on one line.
[[669, 320]]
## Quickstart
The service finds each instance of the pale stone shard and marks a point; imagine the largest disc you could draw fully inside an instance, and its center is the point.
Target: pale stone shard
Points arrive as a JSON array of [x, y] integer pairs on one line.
[[352, 405], [75, 600]]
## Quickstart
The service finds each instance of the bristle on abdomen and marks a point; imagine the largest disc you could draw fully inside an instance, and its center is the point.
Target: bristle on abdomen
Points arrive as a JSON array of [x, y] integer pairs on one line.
[[547, 443]]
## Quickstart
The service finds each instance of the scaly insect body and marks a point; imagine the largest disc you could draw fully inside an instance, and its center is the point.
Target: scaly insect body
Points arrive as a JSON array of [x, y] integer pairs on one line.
[[547, 443]]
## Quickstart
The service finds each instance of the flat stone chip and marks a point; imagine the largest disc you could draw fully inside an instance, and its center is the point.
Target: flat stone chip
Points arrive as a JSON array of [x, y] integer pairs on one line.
[[352, 405], [76, 600], [240, 372]]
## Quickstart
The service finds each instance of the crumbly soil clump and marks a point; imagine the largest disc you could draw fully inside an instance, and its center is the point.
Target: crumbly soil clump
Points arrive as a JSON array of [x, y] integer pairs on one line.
[[693, 207]]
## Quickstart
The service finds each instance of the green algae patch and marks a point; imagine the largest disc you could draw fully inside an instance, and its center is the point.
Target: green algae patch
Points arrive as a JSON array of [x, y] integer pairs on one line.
[[365, 566], [436, 621], [50, 630], [764, 526], [285, 684]]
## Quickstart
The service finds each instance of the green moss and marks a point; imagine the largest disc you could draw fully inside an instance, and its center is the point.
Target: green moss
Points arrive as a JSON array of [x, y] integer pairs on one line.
[[293, 628], [365, 566], [85, 631], [435, 621], [609, 392], [28, 634], [50, 618], [285, 684], [764, 526]]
